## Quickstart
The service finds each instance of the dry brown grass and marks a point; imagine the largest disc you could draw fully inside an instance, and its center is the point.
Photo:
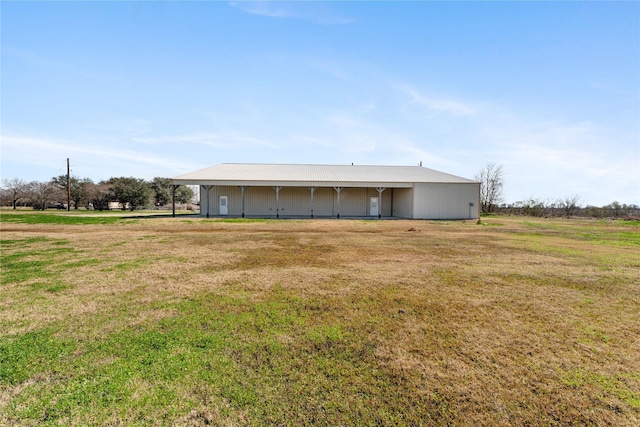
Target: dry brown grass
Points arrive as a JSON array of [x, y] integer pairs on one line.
[[529, 322]]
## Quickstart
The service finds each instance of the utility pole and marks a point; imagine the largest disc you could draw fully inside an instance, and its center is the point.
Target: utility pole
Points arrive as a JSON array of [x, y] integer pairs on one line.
[[68, 186]]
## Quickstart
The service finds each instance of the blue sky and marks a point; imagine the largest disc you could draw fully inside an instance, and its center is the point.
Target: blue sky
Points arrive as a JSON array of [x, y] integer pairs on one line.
[[550, 90]]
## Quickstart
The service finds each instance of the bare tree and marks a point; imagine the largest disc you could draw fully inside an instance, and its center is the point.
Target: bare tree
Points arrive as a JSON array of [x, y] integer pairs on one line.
[[569, 205], [532, 207], [43, 193], [16, 190], [614, 209], [78, 188], [98, 195], [491, 179]]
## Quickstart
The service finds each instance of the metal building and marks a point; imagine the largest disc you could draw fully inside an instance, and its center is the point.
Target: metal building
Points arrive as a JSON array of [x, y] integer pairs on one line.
[[313, 191]]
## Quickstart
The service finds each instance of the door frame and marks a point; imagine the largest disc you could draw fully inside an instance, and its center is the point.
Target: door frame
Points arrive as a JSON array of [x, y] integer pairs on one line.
[[373, 205], [224, 211]]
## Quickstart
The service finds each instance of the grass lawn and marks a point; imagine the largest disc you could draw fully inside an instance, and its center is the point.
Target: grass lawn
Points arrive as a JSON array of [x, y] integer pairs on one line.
[[191, 321]]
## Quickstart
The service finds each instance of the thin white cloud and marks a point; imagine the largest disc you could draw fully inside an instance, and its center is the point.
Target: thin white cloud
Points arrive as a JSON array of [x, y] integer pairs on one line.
[[363, 137], [257, 141], [125, 127], [27, 144], [318, 12], [40, 61], [411, 154], [313, 141], [550, 160], [51, 65], [263, 8], [30, 157], [222, 140], [435, 104], [330, 68], [211, 139]]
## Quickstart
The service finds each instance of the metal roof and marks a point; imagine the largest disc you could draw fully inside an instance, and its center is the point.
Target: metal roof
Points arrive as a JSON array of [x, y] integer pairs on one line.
[[303, 175]]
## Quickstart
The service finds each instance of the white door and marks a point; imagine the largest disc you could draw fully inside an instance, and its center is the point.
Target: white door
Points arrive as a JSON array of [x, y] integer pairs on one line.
[[373, 206], [224, 210]]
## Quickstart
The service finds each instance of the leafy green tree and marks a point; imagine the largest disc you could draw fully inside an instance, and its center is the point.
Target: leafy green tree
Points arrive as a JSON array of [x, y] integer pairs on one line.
[[78, 187], [162, 191], [132, 192], [184, 194]]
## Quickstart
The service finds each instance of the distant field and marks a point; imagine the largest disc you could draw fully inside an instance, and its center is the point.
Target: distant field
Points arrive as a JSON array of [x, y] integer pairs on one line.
[[188, 321]]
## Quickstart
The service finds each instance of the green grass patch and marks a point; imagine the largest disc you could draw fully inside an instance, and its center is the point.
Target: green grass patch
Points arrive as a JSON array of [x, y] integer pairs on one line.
[[35, 264], [616, 385], [31, 354], [131, 264], [266, 360], [326, 335], [630, 223], [621, 238], [66, 219], [7, 242], [41, 262]]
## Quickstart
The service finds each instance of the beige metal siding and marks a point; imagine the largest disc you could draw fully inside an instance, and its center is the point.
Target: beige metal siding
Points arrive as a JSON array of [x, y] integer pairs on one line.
[[387, 202], [445, 201], [402, 202], [260, 201], [425, 201], [353, 202], [234, 200], [295, 201], [323, 201]]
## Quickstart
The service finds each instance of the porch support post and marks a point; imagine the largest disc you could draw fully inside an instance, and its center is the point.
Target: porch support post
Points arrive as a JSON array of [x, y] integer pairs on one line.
[[173, 199], [312, 191], [380, 190], [207, 188], [242, 193], [277, 201], [338, 190]]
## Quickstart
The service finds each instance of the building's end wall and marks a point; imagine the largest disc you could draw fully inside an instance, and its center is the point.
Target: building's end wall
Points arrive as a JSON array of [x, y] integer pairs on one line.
[[446, 201]]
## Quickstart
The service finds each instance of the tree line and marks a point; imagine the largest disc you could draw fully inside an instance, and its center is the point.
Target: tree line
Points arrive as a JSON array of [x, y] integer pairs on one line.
[[128, 192], [491, 179], [569, 207]]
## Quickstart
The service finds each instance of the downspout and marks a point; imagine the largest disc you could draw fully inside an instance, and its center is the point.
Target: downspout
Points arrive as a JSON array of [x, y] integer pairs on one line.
[[207, 188], [313, 189], [242, 192], [380, 190], [277, 201], [338, 190]]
